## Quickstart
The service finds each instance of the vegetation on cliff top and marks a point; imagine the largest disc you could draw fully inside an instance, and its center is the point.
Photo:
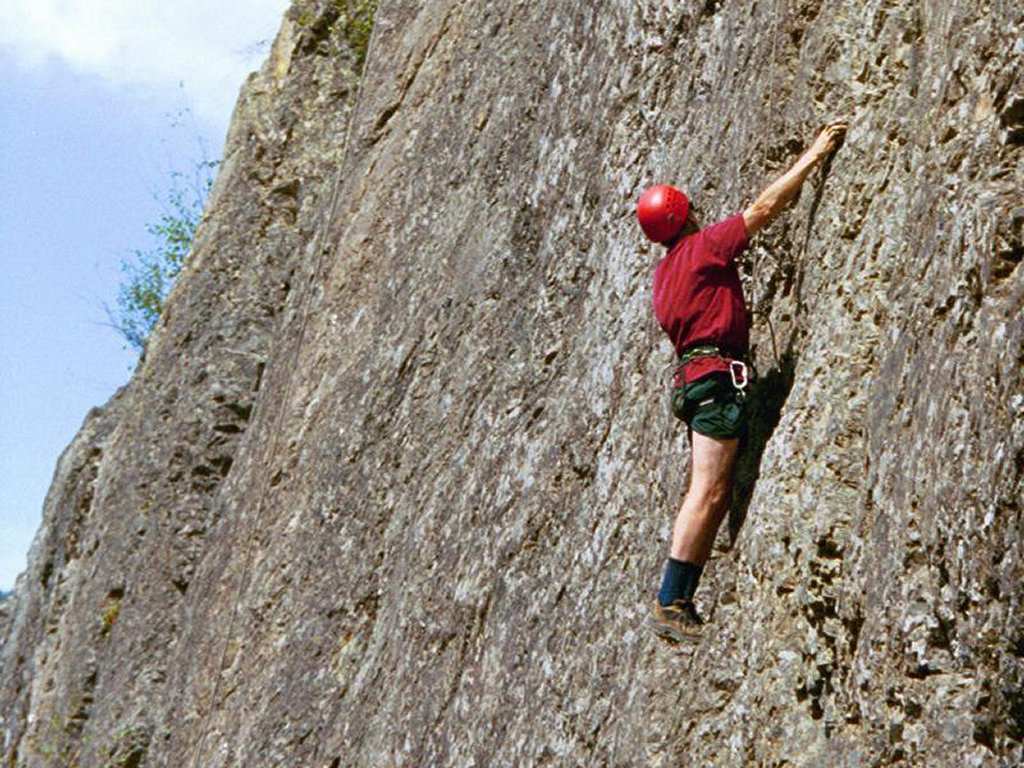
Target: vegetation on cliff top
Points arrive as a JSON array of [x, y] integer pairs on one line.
[[353, 19], [357, 21], [149, 274]]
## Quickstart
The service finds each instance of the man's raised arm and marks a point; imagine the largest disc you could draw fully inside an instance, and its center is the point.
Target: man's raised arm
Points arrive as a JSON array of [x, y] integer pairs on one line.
[[771, 202]]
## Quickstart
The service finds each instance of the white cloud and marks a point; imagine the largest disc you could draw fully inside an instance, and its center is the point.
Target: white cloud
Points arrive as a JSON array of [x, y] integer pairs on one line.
[[209, 46]]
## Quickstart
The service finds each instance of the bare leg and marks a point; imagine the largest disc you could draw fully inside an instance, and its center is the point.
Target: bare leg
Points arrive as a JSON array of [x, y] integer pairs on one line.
[[707, 499]]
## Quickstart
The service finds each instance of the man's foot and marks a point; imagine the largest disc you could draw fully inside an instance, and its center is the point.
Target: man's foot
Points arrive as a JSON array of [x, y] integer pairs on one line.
[[677, 622]]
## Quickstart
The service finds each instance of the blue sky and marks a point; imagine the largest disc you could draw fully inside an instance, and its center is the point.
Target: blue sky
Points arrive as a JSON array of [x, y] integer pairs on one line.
[[88, 91]]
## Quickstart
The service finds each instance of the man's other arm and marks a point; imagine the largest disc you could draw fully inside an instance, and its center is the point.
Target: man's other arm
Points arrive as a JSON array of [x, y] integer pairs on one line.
[[771, 202]]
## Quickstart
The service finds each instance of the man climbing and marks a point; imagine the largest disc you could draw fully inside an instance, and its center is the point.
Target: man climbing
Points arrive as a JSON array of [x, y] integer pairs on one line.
[[699, 303]]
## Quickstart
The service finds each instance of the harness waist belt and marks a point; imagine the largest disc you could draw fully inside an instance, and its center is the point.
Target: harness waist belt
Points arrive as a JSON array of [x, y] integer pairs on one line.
[[706, 350]]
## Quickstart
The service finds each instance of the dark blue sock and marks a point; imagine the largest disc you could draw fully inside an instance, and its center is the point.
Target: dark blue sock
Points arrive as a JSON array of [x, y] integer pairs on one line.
[[680, 581]]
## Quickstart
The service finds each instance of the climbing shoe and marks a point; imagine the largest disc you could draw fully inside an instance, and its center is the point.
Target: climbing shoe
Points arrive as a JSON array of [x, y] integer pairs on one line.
[[677, 622]]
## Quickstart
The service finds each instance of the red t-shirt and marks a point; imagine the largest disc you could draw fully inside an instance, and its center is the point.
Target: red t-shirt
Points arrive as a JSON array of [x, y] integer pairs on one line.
[[698, 298]]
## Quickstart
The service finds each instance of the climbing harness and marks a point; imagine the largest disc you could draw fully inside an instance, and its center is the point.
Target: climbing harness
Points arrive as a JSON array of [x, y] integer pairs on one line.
[[739, 372], [701, 350]]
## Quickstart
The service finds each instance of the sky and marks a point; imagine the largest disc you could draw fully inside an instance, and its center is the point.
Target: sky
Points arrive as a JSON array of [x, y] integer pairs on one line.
[[100, 101]]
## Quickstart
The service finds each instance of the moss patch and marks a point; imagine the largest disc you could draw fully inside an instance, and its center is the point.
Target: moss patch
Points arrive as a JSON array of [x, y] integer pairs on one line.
[[355, 22], [111, 610]]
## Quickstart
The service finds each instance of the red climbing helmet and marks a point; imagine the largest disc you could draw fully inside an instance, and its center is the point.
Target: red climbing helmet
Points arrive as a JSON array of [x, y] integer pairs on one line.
[[662, 212]]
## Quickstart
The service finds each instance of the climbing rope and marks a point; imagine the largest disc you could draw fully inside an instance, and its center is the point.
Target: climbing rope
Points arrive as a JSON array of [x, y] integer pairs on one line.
[[322, 227], [774, 26]]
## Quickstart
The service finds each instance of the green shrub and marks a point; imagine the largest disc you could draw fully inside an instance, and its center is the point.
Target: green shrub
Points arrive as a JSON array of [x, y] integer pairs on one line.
[[149, 275]]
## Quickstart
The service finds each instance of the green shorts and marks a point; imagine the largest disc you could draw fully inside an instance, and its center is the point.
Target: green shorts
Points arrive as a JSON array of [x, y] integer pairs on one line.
[[711, 406]]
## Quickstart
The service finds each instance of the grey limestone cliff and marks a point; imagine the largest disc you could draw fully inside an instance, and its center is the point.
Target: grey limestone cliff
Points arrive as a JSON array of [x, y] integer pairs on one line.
[[394, 481], [6, 606]]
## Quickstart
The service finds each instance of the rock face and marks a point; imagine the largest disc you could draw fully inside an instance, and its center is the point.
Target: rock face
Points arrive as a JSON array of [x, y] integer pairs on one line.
[[394, 482], [6, 604]]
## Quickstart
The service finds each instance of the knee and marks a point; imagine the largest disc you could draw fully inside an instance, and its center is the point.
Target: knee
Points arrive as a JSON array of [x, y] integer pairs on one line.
[[712, 498]]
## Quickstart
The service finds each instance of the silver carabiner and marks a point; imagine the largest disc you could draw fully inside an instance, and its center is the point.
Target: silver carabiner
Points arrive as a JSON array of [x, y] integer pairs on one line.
[[738, 365]]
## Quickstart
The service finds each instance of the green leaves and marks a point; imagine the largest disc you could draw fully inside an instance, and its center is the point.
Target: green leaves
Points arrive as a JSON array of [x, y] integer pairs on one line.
[[149, 274]]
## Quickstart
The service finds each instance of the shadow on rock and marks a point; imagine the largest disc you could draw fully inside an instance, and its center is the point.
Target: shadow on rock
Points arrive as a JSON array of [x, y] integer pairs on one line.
[[767, 397]]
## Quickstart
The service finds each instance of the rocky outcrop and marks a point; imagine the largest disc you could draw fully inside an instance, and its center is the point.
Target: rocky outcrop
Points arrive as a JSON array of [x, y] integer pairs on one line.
[[6, 607], [99, 614], [394, 482]]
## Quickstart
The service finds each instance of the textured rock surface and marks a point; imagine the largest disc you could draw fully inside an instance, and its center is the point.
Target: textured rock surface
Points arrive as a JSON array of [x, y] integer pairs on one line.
[[394, 482], [6, 609], [100, 610]]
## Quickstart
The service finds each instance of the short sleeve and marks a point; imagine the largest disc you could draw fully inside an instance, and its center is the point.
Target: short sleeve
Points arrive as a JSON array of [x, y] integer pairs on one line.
[[724, 241]]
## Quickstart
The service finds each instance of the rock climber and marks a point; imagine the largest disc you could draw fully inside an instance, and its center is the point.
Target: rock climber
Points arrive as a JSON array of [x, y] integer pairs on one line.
[[698, 300]]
